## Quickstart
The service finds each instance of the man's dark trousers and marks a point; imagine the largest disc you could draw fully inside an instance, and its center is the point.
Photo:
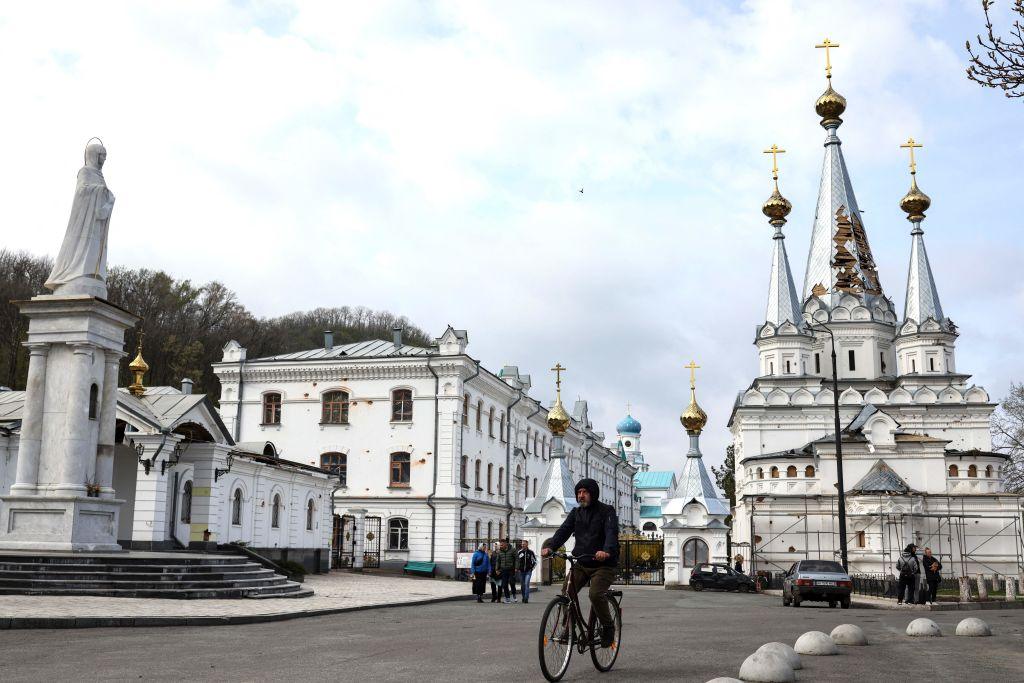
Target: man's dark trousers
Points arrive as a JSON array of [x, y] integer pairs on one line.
[[601, 579], [933, 587], [905, 592]]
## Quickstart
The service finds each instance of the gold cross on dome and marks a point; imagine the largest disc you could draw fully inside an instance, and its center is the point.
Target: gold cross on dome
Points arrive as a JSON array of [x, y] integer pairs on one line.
[[693, 375], [775, 151], [558, 370], [828, 45], [910, 144]]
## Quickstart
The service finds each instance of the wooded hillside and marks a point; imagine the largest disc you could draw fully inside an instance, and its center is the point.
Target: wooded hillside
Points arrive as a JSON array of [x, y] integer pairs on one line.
[[185, 324]]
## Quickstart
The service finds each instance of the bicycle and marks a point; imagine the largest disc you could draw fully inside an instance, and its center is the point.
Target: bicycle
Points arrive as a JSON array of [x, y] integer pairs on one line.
[[563, 628]]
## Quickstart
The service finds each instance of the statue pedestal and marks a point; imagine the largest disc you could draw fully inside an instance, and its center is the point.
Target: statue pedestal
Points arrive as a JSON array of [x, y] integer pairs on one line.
[[70, 523], [66, 445]]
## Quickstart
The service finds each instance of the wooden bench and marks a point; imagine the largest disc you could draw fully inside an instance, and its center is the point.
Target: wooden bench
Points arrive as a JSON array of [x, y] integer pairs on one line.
[[420, 568]]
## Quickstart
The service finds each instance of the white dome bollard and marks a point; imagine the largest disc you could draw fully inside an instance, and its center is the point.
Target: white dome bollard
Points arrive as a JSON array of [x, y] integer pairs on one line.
[[766, 667], [815, 643], [849, 634], [784, 651], [972, 626], [725, 679], [923, 628]]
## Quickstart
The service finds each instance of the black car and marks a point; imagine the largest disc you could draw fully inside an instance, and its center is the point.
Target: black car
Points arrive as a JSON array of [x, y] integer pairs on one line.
[[720, 576], [820, 580]]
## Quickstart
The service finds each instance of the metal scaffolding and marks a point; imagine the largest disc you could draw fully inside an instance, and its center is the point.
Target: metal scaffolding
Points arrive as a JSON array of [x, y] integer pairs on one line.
[[878, 537]]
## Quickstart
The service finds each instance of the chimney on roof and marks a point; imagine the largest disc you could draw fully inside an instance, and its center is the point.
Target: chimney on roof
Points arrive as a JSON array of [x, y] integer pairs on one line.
[[186, 386], [396, 336], [328, 340]]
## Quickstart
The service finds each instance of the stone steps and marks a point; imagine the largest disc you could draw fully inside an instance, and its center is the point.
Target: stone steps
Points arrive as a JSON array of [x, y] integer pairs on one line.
[[139, 575]]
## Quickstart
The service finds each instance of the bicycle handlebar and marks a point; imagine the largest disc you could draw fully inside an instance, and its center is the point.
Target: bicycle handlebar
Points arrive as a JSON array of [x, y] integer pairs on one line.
[[570, 557]]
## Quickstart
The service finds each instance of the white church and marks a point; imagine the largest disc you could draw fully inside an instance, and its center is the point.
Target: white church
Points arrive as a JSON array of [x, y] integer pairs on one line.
[[917, 455]]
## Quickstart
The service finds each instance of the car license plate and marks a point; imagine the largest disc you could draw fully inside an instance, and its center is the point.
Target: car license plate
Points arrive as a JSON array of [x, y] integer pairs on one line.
[[824, 583]]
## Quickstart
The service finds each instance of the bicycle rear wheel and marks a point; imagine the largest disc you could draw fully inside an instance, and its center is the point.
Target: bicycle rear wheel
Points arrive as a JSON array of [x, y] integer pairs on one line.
[[604, 657], [557, 638]]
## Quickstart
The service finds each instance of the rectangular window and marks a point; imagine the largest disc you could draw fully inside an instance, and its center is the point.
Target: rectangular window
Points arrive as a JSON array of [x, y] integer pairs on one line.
[[913, 365], [817, 363], [853, 360], [881, 362], [771, 368], [272, 409], [788, 371], [931, 363], [464, 474], [861, 539], [490, 477], [401, 405], [400, 469]]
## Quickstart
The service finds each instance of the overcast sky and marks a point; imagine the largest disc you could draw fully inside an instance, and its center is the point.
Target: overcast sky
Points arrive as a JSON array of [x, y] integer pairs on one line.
[[426, 158]]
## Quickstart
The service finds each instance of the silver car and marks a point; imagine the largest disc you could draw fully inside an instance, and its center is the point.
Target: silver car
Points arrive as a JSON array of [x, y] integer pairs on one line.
[[818, 580]]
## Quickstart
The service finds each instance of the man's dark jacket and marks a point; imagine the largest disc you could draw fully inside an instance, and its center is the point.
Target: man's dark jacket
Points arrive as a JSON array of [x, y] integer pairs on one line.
[[596, 527], [931, 567]]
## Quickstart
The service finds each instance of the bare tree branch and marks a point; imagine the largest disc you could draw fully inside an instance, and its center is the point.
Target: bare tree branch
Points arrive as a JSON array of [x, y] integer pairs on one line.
[[999, 62]]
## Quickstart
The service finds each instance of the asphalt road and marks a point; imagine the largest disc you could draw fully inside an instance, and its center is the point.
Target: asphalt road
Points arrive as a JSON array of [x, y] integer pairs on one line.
[[668, 635]]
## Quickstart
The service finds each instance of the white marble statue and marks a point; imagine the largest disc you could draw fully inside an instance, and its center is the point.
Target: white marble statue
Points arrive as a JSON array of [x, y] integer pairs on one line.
[[81, 265]]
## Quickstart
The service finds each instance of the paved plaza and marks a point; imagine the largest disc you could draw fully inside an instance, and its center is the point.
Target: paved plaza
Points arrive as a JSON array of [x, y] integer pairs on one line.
[[669, 635], [334, 592]]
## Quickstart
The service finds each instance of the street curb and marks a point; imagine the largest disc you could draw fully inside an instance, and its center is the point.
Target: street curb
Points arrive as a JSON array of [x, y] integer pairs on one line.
[[120, 622], [882, 603]]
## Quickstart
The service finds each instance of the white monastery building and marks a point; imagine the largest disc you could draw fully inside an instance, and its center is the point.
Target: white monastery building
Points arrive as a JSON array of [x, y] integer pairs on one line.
[[917, 455], [434, 452]]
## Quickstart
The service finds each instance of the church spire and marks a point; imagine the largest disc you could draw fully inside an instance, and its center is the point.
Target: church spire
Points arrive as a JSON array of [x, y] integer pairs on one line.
[[783, 305], [922, 295], [840, 257]]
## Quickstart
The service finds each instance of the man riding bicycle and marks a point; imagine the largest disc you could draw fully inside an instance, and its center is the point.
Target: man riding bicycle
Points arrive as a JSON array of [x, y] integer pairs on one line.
[[596, 527]]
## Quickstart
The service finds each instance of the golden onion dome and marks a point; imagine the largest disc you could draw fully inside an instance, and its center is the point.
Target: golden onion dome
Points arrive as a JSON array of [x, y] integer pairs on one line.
[[693, 418], [139, 364], [776, 208], [558, 419], [915, 202], [830, 106]]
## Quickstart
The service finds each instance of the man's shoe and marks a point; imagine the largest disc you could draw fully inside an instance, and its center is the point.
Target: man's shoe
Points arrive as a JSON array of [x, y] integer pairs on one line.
[[515, 600], [607, 635], [479, 599]]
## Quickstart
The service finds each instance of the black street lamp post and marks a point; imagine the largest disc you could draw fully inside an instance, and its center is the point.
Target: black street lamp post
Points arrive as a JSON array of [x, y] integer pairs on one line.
[[839, 449]]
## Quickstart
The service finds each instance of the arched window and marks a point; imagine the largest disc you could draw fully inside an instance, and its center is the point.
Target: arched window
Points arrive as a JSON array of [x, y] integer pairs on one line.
[[527, 440], [275, 512], [465, 409], [476, 530], [272, 409], [398, 534], [336, 463], [695, 551], [775, 472], [501, 481], [334, 408], [650, 526], [94, 400], [400, 469], [501, 427], [479, 413], [972, 471], [236, 508], [401, 405], [463, 529], [954, 471], [309, 515], [490, 477], [186, 503], [501, 530], [535, 451], [464, 472], [988, 471], [490, 422], [760, 473], [490, 532], [535, 487], [791, 471], [477, 468], [544, 447], [809, 471]]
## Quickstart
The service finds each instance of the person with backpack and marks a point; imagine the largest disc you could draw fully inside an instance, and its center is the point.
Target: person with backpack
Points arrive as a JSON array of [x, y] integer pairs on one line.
[[480, 567], [908, 569], [526, 560]]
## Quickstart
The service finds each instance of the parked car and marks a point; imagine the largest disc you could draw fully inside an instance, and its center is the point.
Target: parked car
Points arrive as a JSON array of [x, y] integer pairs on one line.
[[819, 580], [720, 576]]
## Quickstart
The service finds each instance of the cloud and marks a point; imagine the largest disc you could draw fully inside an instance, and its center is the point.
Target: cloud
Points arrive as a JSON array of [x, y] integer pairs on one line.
[[427, 157]]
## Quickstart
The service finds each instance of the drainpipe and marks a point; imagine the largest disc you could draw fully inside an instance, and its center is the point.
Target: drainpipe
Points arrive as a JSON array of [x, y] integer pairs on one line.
[[508, 457], [615, 474], [238, 410]]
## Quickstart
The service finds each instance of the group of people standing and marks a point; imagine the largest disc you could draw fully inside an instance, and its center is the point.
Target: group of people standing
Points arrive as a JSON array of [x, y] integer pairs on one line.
[[503, 567], [919, 576]]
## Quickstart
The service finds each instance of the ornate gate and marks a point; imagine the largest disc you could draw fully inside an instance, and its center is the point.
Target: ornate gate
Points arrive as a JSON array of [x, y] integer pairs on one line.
[[343, 542], [641, 562], [371, 544]]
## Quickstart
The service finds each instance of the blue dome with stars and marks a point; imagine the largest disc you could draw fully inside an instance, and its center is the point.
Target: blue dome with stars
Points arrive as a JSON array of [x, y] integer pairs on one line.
[[628, 425]]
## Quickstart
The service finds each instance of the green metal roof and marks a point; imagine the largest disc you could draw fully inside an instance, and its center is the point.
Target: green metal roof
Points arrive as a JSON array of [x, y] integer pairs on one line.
[[653, 480], [650, 511]]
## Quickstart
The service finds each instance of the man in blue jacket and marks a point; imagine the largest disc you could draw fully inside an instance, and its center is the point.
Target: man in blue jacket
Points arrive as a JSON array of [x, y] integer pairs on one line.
[[481, 567], [596, 528]]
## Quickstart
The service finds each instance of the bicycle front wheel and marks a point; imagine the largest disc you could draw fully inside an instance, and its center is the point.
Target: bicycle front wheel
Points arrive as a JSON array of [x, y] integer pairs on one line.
[[604, 657], [557, 638]]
